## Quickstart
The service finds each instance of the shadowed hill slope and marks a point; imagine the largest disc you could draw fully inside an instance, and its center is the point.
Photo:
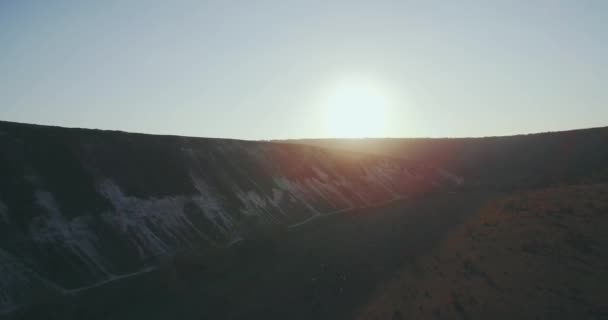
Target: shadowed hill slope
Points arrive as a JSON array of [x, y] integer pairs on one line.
[[507, 162], [82, 207]]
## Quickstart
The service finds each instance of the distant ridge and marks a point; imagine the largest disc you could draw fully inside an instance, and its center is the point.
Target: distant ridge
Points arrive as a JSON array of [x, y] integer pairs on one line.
[[528, 160]]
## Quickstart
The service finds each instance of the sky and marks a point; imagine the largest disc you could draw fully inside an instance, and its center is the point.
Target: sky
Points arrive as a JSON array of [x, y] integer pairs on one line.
[[264, 69]]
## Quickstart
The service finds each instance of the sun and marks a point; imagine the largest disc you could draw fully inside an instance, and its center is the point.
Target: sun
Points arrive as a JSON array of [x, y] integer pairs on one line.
[[356, 109]]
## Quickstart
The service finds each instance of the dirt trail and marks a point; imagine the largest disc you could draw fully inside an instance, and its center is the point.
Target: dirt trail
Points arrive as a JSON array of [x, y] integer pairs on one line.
[[324, 270]]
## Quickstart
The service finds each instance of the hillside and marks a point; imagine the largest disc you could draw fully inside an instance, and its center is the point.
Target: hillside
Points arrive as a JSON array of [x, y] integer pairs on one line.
[[113, 225], [79, 208], [510, 162], [326, 269], [530, 255]]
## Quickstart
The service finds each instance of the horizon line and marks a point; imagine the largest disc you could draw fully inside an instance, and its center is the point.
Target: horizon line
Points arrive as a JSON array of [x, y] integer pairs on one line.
[[299, 139]]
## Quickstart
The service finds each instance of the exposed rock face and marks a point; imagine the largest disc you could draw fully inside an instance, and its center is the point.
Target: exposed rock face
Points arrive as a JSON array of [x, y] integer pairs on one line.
[[82, 207]]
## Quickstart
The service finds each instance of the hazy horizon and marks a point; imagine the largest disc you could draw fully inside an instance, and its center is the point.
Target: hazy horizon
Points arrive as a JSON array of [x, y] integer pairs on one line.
[[293, 70]]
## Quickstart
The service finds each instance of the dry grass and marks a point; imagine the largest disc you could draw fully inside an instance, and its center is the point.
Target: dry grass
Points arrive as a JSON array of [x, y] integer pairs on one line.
[[533, 255]]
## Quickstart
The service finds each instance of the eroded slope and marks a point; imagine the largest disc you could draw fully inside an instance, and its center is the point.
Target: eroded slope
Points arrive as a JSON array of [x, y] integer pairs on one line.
[[83, 207]]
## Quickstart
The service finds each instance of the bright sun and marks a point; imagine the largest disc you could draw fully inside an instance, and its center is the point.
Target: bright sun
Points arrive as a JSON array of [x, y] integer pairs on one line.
[[356, 110]]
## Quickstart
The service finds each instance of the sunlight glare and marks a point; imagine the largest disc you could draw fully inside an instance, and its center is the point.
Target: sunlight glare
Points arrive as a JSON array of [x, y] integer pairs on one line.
[[356, 110]]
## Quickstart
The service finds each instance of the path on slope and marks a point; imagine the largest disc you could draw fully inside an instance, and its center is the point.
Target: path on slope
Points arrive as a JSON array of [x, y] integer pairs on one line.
[[324, 270]]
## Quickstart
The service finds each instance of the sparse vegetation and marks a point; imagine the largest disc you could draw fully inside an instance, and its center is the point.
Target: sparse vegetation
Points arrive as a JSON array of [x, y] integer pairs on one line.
[[557, 272]]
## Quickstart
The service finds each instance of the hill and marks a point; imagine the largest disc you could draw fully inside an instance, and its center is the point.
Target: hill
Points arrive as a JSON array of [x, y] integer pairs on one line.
[[510, 162], [113, 225], [79, 208], [529, 255]]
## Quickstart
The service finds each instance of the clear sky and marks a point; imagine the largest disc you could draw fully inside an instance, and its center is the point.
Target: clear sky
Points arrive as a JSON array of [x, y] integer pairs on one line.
[[263, 69]]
